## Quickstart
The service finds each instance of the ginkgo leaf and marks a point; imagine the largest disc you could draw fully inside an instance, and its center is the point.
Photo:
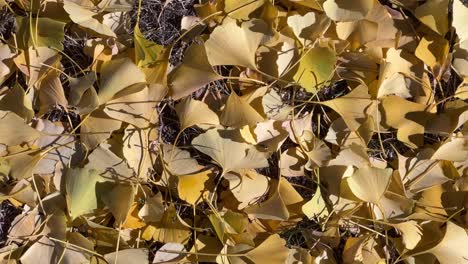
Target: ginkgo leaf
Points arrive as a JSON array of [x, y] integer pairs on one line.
[[35, 63], [454, 116], [135, 107], [46, 32], [133, 220], [163, 257], [432, 50], [239, 9], [277, 60], [85, 18], [153, 210], [238, 112], [192, 186], [136, 149], [411, 233], [81, 191], [230, 44], [46, 250], [358, 33], [283, 204], [316, 207], [247, 187], [119, 199], [274, 247], [82, 95], [171, 229], [342, 10], [398, 66], [460, 11], [433, 14], [351, 107], [116, 75], [450, 249], [97, 128], [408, 117], [369, 183], [420, 172], [363, 249], [293, 161], [17, 101], [132, 255], [51, 93], [14, 131], [268, 134], [308, 26], [454, 150], [274, 107], [108, 164], [194, 72], [317, 152], [193, 112], [316, 68], [226, 147], [354, 155], [146, 52], [5, 63], [228, 224], [357, 66], [23, 225]]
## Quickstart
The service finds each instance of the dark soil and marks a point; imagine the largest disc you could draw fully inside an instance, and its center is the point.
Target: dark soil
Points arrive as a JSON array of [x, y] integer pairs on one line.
[[7, 23], [160, 22], [8, 212]]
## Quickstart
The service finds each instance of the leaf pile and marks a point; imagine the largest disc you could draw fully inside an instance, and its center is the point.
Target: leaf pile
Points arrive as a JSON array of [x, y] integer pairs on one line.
[[307, 131]]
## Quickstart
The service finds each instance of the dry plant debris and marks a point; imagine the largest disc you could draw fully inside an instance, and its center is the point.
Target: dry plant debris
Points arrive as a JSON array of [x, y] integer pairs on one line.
[[292, 131]]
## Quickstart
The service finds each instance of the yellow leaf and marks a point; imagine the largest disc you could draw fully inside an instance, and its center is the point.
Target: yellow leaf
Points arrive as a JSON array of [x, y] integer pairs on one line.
[[135, 107], [192, 186], [46, 250], [193, 112], [194, 72], [13, 130], [246, 186], [81, 191], [369, 184], [153, 210], [434, 14], [227, 148], [238, 112], [230, 44], [274, 247], [85, 18], [116, 75], [146, 52], [316, 207], [343, 10], [451, 248], [136, 149], [411, 233], [432, 50], [316, 68], [39, 32], [408, 117], [97, 127], [119, 198], [460, 12], [132, 255], [454, 150], [18, 102], [351, 107], [240, 9], [284, 203]]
